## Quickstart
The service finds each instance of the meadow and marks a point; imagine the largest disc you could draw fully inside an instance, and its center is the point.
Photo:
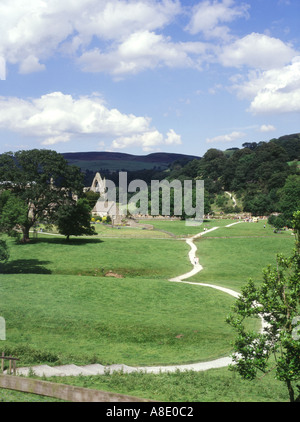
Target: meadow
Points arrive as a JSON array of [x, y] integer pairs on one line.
[[108, 300]]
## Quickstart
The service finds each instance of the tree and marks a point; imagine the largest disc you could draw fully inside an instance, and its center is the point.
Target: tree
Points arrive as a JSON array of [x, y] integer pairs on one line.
[[290, 197], [75, 220], [277, 302], [13, 213], [278, 222], [260, 204], [40, 181], [4, 252], [92, 198]]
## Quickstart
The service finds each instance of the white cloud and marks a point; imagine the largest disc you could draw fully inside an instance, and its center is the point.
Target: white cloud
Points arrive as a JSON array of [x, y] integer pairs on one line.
[[57, 117], [257, 51], [267, 128], [147, 140], [142, 50], [234, 136], [31, 64], [33, 30], [126, 36], [2, 69], [173, 138], [272, 91], [209, 16]]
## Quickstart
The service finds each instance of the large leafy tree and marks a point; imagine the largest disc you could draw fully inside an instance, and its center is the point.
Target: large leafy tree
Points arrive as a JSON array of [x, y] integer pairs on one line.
[[39, 182], [75, 220], [277, 302]]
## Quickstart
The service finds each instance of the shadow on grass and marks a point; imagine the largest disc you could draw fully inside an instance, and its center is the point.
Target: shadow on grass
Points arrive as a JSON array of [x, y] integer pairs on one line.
[[25, 266], [63, 241]]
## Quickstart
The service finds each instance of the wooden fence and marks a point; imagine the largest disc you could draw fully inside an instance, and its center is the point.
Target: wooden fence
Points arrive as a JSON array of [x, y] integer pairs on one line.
[[12, 364], [63, 391], [56, 390]]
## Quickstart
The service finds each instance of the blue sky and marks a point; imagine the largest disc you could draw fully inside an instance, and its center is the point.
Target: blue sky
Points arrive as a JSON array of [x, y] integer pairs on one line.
[[142, 76]]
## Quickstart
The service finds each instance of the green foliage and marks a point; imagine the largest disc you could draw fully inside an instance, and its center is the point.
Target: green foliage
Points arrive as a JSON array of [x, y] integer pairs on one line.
[[290, 198], [91, 197], [14, 213], [40, 181], [4, 252], [277, 221], [75, 219], [256, 173]]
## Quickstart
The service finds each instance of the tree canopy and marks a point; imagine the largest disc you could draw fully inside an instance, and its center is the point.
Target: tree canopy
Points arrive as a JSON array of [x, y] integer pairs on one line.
[[75, 220], [38, 182], [260, 174]]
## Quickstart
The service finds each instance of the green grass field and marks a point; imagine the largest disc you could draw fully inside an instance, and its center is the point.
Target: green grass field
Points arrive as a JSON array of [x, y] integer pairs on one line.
[[60, 307], [230, 256], [132, 321], [147, 258], [179, 228]]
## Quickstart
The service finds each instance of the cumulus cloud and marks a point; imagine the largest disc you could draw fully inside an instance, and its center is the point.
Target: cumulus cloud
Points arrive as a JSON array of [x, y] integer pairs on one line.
[[208, 17], [173, 138], [126, 36], [147, 140], [122, 37], [143, 50], [257, 51], [233, 136], [31, 64], [57, 117], [272, 91], [267, 128], [32, 31]]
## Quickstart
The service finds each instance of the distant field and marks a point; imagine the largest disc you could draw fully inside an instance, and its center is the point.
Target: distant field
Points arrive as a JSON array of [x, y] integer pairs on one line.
[[113, 161], [181, 228], [230, 256]]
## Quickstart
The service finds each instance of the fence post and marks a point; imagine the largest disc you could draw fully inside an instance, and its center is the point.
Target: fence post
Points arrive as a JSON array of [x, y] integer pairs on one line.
[[2, 362]]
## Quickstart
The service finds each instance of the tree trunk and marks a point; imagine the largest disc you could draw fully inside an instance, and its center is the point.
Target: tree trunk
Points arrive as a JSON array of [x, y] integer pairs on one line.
[[25, 231], [291, 391]]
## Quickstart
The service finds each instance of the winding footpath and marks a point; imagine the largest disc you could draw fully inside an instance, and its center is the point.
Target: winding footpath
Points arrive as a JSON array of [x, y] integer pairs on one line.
[[97, 369]]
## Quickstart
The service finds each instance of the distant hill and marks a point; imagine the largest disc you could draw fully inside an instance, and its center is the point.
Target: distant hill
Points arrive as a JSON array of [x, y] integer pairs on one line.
[[117, 161]]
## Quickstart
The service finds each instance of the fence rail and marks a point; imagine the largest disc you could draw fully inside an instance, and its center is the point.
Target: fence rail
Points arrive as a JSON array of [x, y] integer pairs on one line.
[[62, 391]]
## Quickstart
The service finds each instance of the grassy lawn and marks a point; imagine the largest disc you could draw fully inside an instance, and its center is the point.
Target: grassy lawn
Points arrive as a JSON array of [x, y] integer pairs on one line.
[[11, 396], [230, 256], [130, 321], [60, 308], [181, 229], [95, 257], [120, 232], [219, 385]]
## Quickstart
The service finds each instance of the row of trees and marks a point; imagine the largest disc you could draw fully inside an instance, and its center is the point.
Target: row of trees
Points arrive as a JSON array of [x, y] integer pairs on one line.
[[260, 175], [39, 186]]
